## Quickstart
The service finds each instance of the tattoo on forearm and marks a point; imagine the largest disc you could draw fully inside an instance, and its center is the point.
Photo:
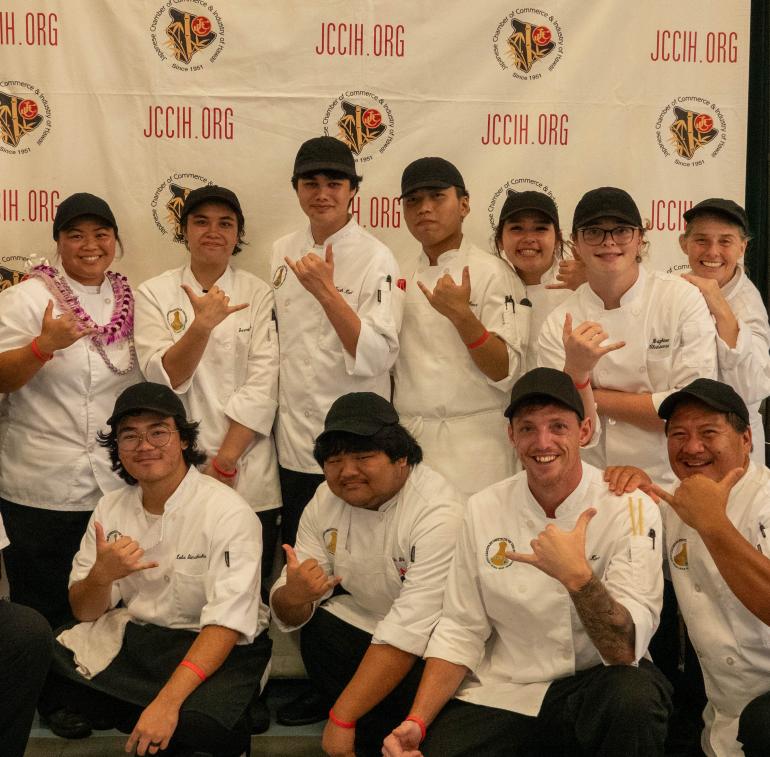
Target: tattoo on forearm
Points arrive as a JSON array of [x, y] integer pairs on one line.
[[609, 625]]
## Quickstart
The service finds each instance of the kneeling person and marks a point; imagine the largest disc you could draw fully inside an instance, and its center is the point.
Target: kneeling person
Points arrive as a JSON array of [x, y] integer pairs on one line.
[[552, 597], [383, 527], [185, 654]]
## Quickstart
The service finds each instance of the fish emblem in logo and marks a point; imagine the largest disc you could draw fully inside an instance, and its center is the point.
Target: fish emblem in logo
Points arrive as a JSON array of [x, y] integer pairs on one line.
[[174, 207], [690, 131], [528, 43], [18, 117], [359, 126], [188, 34]]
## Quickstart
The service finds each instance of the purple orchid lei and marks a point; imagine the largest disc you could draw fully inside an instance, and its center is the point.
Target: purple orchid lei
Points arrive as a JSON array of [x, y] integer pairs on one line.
[[119, 328]]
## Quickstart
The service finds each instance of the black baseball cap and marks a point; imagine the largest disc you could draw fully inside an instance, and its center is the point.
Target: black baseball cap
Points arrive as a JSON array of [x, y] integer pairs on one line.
[[324, 154], [515, 202], [715, 394], [156, 398], [82, 204], [430, 172], [606, 201], [721, 207], [211, 193], [360, 413], [545, 383]]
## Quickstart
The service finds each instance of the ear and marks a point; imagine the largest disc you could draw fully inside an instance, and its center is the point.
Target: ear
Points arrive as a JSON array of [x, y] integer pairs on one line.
[[746, 441], [465, 206], [586, 431], [683, 243], [511, 438]]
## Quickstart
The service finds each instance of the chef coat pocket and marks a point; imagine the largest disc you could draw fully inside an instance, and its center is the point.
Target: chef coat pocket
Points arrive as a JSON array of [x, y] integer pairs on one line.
[[644, 556], [190, 594]]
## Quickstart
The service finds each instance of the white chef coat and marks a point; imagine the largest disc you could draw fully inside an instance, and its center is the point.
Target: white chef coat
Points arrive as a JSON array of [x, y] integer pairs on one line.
[[543, 302], [670, 341], [237, 376], [49, 455], [516, 628], [733, 645], [315, 369], [454, 411], [392, 561], [746, 367], [208, 545]]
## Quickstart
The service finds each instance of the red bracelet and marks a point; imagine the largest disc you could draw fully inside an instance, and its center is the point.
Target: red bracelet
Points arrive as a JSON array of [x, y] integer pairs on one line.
[[225, 473], [483, 338], [420, 722], [195, 669], [43, 357], [583, 385], [341, 723]]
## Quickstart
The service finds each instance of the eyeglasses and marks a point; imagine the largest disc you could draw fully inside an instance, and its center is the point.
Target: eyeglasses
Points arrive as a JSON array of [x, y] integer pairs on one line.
[[595, 235], [157, 437]]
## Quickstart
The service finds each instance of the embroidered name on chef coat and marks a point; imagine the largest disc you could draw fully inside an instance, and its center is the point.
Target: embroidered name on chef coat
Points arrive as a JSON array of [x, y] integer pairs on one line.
[[659, 343]]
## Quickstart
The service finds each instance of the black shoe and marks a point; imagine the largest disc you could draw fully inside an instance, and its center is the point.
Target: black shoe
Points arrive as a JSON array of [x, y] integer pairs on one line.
[[259, 715], [68, 724], [307, 708]]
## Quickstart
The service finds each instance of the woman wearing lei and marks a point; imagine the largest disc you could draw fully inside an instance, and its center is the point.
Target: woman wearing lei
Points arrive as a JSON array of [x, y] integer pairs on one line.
[[66, 352]]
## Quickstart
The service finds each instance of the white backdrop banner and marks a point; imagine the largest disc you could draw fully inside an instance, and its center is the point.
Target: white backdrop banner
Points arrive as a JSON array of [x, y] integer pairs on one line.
[[141, 101]]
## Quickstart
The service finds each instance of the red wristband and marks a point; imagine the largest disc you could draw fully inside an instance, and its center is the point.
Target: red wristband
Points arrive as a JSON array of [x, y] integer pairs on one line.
[[584, 384], [483, 338], [225, 473], [43, 357], [341, 723], [420, 722], [195, 669]]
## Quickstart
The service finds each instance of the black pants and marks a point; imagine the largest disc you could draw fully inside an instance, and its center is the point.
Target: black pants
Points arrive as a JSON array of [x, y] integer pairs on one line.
[[617, 711], [297, 489], [26, 645], [39, 559], [332, 651], [754, 727], [269, 521]]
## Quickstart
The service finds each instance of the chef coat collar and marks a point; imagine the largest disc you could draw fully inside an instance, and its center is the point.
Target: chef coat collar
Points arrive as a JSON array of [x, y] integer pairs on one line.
[[575, 503], [634, 291], [184, 492], [446, 257], [348, 228], [224, 282], [79, 288], [734, 282]]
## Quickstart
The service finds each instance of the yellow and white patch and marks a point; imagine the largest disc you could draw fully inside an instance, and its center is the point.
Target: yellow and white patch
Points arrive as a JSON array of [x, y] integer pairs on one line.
[[177, 320], [495, 552]]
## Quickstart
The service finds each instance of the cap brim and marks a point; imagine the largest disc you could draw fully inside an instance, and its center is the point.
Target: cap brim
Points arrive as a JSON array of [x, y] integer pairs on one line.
[[432, 184], [325, 165]]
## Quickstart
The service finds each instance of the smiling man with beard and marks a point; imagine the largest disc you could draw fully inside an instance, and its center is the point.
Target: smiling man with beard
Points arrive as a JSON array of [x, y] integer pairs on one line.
[[716, 526], [551, 600]]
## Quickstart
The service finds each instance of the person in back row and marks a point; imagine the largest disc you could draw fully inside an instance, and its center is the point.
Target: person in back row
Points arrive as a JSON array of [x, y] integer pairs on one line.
[[715, 242], [463, 338], [667, 331]]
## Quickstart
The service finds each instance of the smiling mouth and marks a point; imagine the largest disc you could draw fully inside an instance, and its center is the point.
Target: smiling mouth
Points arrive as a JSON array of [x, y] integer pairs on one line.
[[695, 463], [528, 253], [711, 263], [543, 459]]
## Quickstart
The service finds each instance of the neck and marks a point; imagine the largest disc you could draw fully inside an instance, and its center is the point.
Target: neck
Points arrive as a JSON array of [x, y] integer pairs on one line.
[[529, 278], [155, 494], [549, 497], [207, 275], [321, 232], [611, 288], [453, 242]]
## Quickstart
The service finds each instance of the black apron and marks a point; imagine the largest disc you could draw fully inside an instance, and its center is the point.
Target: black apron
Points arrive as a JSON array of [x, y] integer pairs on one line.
[[149, 656]]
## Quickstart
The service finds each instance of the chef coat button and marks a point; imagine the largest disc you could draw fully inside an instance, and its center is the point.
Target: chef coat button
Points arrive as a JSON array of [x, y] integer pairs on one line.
[[307, 413], [730, 661], [288, 302], [530, 524], [611, 421], [697, 588], [107, 300], [166, 579], [566, 654], [642, 369]]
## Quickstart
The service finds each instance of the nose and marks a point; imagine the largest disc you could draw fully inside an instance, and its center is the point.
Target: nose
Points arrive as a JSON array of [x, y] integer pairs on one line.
[[692, 445], [543, 438], [143, 442], [349, 468]]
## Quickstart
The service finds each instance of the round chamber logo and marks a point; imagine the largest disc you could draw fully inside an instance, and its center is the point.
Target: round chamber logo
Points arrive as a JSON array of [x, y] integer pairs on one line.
[[25, 117], [495, 552], [690, 130], [363, 121], [516, 184], [187, 34], [678, 554], [528, 42], [168, 199]]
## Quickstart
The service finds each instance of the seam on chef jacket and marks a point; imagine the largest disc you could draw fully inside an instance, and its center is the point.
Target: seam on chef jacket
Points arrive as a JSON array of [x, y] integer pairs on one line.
[[512, 606], [51, 422], [208, 545], [311, 352], [429, 511]]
